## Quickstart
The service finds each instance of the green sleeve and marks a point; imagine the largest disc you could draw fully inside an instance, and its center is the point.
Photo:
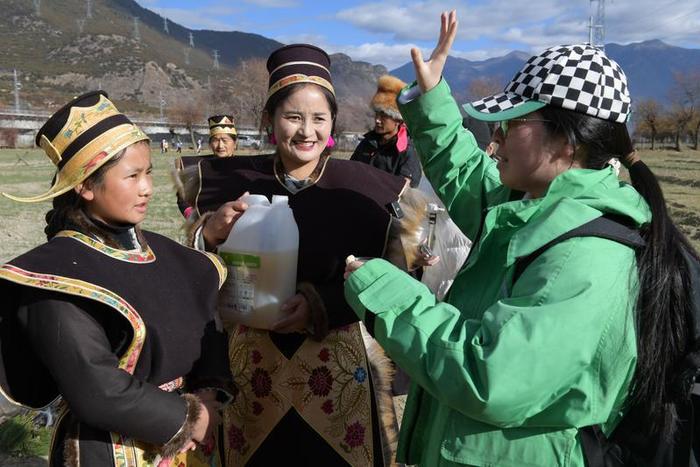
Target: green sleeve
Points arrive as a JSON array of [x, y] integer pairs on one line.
[[527, 353], [463, 176]]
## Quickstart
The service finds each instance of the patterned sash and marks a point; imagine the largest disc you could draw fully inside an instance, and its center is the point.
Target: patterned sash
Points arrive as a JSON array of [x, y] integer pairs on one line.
[[326, 382]]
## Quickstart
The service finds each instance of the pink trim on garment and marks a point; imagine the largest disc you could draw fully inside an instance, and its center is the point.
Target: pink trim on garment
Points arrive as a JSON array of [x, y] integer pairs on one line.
[[402, 138]]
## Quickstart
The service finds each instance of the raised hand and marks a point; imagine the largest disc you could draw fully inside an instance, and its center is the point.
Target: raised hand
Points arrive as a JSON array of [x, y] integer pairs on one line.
[[428, 73], [218, 226]]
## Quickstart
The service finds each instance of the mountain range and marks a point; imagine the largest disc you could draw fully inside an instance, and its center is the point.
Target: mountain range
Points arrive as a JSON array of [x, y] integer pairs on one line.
[[649, 66], [124, 48]]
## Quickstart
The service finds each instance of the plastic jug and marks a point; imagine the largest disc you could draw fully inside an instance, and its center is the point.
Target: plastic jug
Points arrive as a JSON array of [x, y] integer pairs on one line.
[[261, 255]]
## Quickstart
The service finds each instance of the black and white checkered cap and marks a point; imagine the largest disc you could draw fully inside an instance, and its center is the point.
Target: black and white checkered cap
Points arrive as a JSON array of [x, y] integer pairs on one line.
[[575, 77]]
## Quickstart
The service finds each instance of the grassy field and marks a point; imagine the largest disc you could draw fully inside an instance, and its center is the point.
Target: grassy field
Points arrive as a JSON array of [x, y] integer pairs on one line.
[[28, 172]]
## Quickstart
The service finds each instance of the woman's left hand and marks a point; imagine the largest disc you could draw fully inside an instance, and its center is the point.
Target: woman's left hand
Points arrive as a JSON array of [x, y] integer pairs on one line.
[[298, 315]]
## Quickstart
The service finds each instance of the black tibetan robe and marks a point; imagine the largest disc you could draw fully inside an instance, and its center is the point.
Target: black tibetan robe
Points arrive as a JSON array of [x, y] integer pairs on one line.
[[117, 335], [308, 400]]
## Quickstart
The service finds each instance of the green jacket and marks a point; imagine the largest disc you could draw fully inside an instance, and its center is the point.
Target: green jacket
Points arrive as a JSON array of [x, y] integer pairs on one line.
[[504, 374]]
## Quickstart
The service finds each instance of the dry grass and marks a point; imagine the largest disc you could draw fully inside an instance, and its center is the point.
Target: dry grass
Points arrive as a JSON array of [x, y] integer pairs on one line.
[[27, 172]]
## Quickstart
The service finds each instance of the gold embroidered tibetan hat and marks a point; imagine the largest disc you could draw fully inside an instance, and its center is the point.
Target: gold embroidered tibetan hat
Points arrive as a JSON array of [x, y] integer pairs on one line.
[[222, 125], [80, 138], [298, 63]]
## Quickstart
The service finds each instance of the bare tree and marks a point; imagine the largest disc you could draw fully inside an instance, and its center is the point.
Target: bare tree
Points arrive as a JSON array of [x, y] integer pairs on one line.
[[250, 90], [649, 114], [187, 111], [685, 95]]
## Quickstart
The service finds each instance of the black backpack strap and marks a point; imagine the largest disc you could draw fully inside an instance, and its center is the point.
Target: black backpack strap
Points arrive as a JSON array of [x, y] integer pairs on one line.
[[608, 226], [592, 446]]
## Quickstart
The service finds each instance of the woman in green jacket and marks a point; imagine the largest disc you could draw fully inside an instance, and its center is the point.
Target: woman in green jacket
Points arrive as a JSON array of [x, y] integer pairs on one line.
[[508, 369]]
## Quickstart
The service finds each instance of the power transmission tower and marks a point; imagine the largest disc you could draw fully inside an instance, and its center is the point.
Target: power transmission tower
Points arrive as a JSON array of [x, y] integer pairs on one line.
[[165, 26], [192, 40], [88, 8], [17, 87], [187, 55], [137, 33], [216, 59], [162, 105], [37, 7], [596, 24], [81, 25]]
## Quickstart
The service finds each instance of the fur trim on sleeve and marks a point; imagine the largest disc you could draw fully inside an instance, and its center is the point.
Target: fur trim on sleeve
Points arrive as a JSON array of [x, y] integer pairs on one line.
[[191, 229], [184, 434], [407, 233], [186, 181], [319, 314]]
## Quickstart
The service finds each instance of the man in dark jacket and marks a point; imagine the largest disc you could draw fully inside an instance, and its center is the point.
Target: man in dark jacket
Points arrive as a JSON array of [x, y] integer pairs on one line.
[[388, 146]]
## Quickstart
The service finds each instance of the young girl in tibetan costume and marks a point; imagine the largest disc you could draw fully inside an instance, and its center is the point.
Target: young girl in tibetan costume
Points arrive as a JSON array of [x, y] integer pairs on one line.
[[307, 395], [116, 321]]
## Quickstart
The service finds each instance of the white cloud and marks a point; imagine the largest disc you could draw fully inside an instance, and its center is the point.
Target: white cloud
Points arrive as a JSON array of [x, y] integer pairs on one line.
[[529, 24]]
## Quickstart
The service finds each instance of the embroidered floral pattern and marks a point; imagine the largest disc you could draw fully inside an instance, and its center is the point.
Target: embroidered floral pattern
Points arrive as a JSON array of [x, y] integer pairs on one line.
[[321, 381], [324, 354], [327, 406], [360, 374], [326, 383], [354, 435], [261, 382], [236, 439]]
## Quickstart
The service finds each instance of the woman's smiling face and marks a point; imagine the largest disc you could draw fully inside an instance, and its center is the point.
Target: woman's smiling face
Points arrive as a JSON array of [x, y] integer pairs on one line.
[[302, 124]]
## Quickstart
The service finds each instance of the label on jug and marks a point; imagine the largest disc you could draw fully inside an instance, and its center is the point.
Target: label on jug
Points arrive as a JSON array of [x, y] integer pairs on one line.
[[238, 293]]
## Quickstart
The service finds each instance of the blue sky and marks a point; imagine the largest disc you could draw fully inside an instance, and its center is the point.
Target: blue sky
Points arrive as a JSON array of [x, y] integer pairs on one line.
[[382, 32]]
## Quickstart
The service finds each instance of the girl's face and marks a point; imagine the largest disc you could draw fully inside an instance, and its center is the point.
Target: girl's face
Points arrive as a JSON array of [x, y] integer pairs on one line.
[[126, 188], [528, 158], [302, 125]]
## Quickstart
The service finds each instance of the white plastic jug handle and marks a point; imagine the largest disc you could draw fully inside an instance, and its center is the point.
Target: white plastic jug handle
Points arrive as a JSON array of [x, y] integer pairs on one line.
[[253, 200], [280, 199]]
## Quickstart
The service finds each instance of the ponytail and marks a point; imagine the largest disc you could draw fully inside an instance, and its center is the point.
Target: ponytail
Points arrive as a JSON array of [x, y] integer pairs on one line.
[[664, 300], [663, 308]]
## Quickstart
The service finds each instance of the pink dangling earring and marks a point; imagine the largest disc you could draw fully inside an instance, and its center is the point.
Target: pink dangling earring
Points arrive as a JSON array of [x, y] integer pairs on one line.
[[330, 143]]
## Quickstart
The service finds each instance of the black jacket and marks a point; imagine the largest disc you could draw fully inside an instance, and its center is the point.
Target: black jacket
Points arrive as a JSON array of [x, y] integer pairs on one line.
[[387, 157]]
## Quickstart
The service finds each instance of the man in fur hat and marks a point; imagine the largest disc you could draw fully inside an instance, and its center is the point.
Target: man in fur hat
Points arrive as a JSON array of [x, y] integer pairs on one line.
[[388, 146]]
